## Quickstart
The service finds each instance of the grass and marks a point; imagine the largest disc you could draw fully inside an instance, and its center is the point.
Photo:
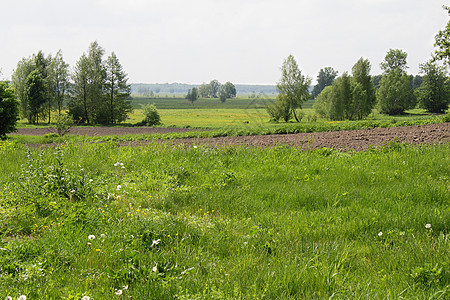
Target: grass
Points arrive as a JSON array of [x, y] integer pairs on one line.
[[225, 223]]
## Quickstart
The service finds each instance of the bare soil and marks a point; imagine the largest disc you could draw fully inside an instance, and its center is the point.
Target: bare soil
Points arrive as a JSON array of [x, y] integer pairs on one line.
[[356, 140]]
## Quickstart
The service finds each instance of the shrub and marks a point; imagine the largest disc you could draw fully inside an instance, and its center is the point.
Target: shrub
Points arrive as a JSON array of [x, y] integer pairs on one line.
[[151, 115], [8, 110]]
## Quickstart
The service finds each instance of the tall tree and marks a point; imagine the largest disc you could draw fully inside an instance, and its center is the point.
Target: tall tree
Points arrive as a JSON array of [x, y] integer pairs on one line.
[[363, 90], [35, 95], [58, 80], [19, 77], [203, 90], [341, 98], [117, 90], [214, 88], [394, 59], [442, 42], [229, 89], [79, 107], [96, 78], [434, 93], [395, 93], [325, 78], [192, 95], [293, 85]]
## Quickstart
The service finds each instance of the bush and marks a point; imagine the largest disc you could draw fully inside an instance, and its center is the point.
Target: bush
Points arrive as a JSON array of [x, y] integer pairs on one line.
[[151, 115], [9, 110]]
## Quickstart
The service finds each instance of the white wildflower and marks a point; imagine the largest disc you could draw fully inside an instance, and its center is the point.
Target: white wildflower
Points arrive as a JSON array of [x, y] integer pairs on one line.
[[116, 164], [91, 180], [119, 187], [125, 287], [8, 298], [155, 268], [86, 298], [428, 226], [155, 242], [118, 292], [91, 237], [22, 297], [102, 236], [380, 234]]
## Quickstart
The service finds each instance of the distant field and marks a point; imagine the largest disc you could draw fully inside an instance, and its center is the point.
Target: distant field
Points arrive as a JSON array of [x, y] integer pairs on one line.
[[181, 103]]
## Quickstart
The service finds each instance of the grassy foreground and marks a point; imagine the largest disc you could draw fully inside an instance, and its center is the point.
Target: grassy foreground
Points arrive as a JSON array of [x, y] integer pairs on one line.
[[158, 222]]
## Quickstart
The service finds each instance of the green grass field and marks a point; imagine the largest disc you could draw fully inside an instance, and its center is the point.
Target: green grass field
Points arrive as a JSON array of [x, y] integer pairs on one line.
[[226, 223]]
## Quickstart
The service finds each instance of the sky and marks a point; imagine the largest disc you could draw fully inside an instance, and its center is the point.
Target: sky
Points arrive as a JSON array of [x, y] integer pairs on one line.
[[242, 41]]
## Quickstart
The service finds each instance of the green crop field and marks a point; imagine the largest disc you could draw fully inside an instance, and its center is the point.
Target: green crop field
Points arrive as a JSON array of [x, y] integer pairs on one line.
[[160, 222]]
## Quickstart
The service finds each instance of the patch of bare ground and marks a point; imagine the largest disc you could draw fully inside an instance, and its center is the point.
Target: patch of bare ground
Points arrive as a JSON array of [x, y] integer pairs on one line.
[[356, 140], [351, 140]]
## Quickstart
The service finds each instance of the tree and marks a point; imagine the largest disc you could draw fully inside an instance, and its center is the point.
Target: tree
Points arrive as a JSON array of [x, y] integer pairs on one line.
[[442, 41], [192, 95], [293, 86], [58, 80], [35, 95], [151, 115], [79, 107], [322, 105], [434, 93], [96, 79], [203, 90], [117, 92], [341, 98], [24, 67], [229, 89], [280, 109], [222, 95], [325, 78], [395, 93], [394, 59], [363, 89], [214, 88], [9, 109]]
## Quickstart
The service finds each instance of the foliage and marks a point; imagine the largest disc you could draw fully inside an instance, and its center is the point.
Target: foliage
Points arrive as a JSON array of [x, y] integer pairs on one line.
[[100, 91], [280, 109], [9, 109], [292, 87], [192, 95], [64, 123], [364, 99], [34, 95], [434, 93], [116, 107], [394, 59], [325, 78], [151, 115], [442, 41], [395, 94], [229, 89]]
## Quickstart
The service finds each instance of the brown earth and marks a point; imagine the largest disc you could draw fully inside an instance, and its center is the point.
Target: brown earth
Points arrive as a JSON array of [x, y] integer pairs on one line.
[[357, 140]]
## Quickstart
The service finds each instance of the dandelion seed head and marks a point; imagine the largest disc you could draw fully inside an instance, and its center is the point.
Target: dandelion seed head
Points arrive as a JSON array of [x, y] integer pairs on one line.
[[86, 298], [119, 187], [380, 234], [22, 297], [427, 226], [8, 298]]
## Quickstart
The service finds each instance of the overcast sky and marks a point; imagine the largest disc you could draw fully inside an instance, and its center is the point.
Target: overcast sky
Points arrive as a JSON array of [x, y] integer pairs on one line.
[[242, 41]]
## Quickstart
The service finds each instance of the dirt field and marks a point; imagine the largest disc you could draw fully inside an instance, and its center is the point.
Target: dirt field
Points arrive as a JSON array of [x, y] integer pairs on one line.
[[358, 140]]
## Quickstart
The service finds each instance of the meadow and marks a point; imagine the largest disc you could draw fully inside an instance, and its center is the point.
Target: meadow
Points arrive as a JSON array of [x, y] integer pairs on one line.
[[96, 220], [162, 222]]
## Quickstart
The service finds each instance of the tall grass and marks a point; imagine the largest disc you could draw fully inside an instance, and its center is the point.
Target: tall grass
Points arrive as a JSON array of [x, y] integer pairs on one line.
[[225, 223]]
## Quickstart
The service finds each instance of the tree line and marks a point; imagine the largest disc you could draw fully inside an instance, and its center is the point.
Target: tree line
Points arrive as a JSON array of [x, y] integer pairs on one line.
[[95, 90], [213, 89]]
